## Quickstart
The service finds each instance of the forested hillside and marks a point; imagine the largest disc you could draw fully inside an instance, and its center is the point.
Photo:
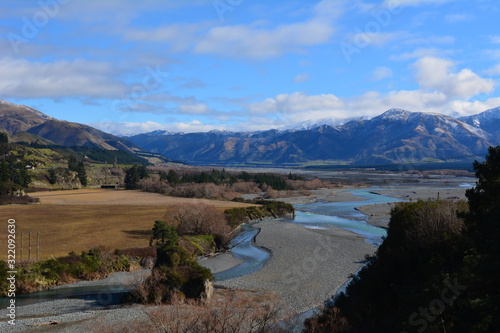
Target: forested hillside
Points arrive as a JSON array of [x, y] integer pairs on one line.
[[438, 270]]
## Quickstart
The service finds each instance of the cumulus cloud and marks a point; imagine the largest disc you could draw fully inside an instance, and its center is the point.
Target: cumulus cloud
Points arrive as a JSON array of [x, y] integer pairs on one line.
[[80, 77], [442, 89], [296, 102], [436, 74]]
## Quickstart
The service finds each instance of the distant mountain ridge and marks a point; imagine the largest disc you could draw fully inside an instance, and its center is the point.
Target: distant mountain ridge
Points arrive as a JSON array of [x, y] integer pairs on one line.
[[396, 136]]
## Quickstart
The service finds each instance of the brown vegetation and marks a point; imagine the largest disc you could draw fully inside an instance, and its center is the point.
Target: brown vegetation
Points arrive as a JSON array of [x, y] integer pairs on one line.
[[193, 190], [428, 222], [233, 189], [227, 312], [199, 219]]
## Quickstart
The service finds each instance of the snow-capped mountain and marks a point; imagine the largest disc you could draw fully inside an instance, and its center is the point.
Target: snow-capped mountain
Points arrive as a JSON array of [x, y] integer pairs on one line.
[[396, 136], [488, 121], [38, 113]]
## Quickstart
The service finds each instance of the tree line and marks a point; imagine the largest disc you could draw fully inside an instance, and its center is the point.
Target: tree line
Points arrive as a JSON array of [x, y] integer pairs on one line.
[[173, 178], [14, 173]]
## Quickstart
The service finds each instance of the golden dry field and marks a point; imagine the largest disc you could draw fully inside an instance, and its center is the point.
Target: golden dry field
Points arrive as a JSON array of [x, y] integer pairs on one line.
[[80, 219]]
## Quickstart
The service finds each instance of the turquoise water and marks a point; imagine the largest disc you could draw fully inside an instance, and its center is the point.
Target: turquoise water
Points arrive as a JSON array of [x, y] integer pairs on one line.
[[311, 215], [242, 248], [343, 215]]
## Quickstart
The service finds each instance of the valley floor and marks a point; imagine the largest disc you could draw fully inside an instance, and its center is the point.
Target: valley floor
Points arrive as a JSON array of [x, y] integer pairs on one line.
[[306, 267]]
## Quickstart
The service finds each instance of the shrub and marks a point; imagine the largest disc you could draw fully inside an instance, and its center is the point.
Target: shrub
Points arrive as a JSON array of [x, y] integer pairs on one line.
[[199, 219]]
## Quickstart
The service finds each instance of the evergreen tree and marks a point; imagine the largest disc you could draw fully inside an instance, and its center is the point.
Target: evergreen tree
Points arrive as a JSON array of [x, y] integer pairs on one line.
[[81, 173], [72, 163], [4, 144], [172, 177], [133, 175], [482, 269], [52, 177]]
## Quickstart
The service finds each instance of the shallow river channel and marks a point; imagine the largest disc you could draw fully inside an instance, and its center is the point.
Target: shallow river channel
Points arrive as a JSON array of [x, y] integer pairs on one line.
[[311, 215]]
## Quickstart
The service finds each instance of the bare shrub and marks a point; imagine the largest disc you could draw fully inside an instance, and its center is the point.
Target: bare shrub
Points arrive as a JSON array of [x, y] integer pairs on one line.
[[246, 187], [271, 194], [312, 184], [328, 320], [223, 315], [199, 219], [154, 184]]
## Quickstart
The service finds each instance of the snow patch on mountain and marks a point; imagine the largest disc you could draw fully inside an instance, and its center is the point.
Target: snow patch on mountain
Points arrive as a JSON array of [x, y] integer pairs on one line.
[[38, 113]]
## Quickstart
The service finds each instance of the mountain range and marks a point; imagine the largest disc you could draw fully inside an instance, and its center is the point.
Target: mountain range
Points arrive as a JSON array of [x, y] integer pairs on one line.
[[396, 136]]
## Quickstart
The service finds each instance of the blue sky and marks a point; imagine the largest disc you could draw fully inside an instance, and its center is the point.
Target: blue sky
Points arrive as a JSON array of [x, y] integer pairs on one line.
[[137, 66]]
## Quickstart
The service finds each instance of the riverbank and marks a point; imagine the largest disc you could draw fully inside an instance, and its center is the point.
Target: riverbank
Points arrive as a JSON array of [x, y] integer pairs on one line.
[[306, 265], [380, 214]]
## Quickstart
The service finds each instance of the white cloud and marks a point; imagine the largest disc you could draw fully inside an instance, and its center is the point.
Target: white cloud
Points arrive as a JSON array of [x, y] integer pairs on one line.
[[431, 40], [381, 73], [421, 53], [287, 110], [196, 108], [296, 102], [458, 18], [25, 79], [128, 128], [178, 36], [436, 74], [237, 41], [254, 41], [131, 128], [363, 39], [301, 78]]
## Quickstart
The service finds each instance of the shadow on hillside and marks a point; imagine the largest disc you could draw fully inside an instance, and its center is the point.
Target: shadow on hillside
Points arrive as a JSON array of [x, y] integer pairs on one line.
[[139, 234]]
